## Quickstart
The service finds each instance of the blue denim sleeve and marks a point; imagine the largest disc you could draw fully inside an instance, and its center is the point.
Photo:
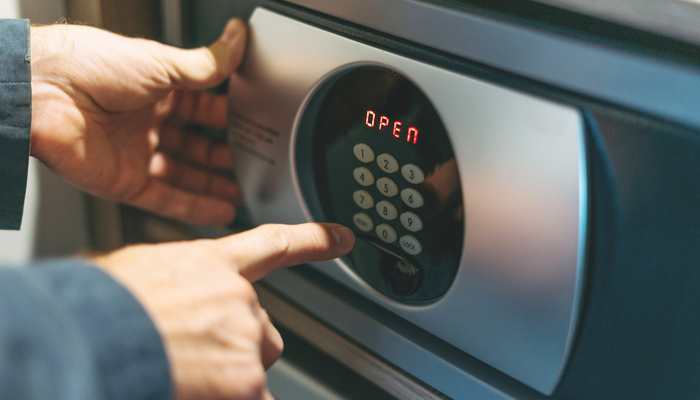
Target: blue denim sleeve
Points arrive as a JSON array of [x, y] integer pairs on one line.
[[68, 331], [15, 119]]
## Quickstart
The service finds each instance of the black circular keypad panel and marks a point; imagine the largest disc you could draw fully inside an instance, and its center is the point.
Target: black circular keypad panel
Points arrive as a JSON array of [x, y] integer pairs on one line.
[[383, 165]]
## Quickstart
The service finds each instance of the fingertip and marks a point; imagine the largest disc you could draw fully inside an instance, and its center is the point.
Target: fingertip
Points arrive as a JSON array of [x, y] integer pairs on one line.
[[233, 29], [344, 237]]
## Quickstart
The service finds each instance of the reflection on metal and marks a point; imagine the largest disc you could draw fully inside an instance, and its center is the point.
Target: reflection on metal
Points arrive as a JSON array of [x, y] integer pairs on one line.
[[516, 296], [348, 353]]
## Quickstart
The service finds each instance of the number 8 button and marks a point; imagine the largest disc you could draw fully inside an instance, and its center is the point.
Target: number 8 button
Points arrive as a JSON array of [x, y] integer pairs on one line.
[[386, 210]]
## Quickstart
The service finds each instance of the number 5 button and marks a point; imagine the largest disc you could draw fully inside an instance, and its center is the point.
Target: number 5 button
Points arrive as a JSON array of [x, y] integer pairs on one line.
[[412, 198]]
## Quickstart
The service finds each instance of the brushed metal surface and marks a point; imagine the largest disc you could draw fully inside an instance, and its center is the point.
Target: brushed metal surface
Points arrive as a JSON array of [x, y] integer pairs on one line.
[[515, 301], [670, 90]]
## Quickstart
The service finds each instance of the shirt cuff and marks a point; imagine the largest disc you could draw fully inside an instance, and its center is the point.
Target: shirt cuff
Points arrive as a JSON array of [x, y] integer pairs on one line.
[[15, 119]]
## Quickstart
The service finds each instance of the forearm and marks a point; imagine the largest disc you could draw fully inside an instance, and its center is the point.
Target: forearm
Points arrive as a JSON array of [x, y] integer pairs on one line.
[[69, 331], [15, 114]]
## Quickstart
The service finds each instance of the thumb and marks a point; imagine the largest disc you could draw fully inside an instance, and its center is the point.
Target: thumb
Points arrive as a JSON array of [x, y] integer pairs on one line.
[[206, 67]]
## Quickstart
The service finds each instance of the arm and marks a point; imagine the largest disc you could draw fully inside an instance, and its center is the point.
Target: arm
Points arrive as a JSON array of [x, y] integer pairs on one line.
[[69, 331], [15, 113]]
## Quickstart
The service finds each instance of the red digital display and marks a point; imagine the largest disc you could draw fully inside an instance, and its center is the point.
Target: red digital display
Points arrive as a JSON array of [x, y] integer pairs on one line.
[[371, 121]]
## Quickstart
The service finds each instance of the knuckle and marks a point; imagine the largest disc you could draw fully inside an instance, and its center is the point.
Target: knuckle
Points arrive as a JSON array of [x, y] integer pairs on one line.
[[278, 237], [319, 238]]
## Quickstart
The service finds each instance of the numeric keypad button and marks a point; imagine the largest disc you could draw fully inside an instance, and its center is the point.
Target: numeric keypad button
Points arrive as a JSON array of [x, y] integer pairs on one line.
[[411, 221], [410, 245], [386, 233], [412, 198], [363, 176], [387, 163], [363, 222], [412, 173], [363, 153], [386, 210], [363, 199], [387, 187]]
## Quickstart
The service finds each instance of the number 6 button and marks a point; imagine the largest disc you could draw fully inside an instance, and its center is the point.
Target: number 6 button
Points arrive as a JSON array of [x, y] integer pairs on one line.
[[412, 198]]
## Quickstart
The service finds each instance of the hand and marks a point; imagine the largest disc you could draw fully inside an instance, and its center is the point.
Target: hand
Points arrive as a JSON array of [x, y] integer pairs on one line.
[[110, 115], [218, 339]]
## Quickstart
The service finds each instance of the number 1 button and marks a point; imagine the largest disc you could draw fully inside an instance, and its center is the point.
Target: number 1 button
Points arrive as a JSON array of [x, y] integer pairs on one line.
[[363, 153]]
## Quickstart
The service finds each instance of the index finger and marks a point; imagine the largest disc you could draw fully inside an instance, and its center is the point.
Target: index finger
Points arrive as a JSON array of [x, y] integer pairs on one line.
[[267, 248]]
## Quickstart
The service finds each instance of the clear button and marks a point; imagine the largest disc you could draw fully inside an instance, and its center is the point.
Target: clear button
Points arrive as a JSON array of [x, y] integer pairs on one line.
[[363, 222]]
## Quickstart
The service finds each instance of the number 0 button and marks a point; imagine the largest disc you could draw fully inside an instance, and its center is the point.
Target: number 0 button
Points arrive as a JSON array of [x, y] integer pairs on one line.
[[363, 176], [386, 233], [412, 198], [387, 163], [386, 210], [363, 153]]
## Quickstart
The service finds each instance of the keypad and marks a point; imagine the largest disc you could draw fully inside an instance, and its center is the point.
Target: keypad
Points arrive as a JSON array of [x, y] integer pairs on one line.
[[387, 187], [387, 209], [363, 176], [363, 199]]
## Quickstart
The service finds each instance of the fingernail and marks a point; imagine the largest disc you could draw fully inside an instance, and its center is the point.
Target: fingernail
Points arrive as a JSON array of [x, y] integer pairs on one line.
[[232, 29], [343, 236]]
